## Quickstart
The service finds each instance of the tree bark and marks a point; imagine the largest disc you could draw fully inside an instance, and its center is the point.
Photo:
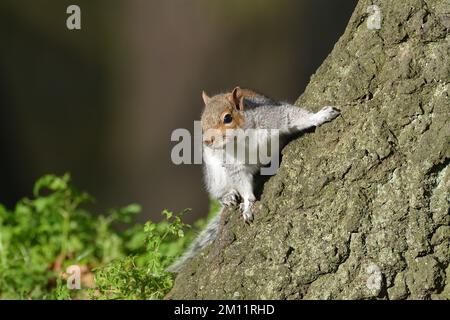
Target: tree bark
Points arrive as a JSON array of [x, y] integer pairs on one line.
[[360, 208]]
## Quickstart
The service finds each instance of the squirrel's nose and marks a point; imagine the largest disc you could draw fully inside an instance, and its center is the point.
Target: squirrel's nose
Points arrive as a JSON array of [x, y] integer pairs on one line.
[[208, 141]]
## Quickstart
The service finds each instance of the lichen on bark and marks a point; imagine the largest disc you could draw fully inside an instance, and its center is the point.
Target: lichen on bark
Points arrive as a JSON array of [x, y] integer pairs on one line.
[[360, 208]]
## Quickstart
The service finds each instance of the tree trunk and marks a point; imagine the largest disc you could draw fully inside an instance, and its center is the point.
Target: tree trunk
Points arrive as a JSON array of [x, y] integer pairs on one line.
[[360, 208]]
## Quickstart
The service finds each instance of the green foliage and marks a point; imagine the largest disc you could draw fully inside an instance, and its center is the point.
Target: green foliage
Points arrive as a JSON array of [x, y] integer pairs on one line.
[[44, 235], [142, 276]]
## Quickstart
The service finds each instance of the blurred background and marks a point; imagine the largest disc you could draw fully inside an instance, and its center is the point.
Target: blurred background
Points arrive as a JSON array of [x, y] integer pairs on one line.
[[102, 102]]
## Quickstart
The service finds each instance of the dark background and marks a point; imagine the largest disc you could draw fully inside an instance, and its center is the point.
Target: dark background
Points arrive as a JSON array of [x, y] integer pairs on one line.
[[101, 102]]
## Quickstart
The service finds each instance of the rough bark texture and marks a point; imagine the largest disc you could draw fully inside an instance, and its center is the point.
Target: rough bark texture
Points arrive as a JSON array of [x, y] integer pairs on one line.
[[360, 207]]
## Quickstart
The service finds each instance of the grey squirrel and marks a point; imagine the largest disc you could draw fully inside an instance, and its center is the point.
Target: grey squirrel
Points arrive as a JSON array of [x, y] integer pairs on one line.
[[232, 182]]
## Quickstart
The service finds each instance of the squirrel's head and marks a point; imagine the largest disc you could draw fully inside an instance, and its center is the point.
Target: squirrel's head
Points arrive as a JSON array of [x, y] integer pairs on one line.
[[222, 112]]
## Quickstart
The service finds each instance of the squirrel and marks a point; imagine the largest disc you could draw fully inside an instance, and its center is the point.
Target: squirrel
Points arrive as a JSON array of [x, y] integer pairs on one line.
[[232, 182]]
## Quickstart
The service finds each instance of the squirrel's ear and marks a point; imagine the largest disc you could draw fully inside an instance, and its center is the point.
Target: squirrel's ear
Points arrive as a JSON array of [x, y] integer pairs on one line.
[[241, 104], [237, 98], [205, 97]]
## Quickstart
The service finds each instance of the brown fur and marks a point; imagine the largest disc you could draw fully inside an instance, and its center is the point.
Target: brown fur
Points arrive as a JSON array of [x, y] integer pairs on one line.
[[218, 106]]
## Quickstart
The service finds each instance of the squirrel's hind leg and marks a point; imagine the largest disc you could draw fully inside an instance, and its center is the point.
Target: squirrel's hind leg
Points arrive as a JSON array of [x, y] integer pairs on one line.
[[245, 189]]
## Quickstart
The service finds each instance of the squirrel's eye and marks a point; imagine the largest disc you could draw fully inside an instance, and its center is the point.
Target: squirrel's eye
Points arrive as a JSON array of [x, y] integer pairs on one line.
[[228, 118]]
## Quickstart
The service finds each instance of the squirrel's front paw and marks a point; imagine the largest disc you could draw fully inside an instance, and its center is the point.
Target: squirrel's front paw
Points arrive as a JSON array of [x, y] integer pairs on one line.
[[246, 208], [326, 114], [230, 199]]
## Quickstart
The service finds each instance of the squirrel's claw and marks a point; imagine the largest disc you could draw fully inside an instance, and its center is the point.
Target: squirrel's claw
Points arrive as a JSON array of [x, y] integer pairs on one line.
[[246, 208], [326, 114], [230, 199]]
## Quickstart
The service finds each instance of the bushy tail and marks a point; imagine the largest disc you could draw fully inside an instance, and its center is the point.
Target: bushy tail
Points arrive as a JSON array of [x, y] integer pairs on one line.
[[207, 235]]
